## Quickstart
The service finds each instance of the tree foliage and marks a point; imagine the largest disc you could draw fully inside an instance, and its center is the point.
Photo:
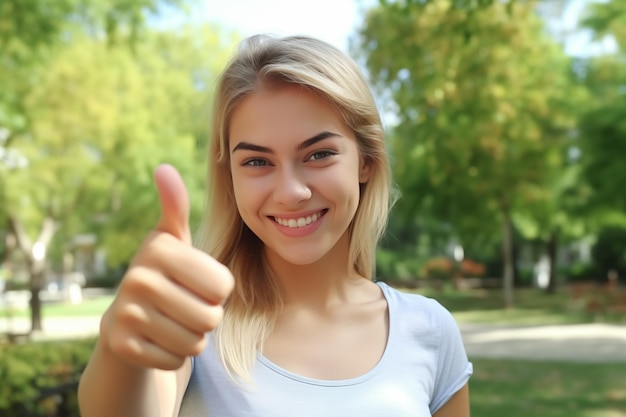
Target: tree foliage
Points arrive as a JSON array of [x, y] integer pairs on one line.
[[88, 108], [603, 126], [480, 92], [103, 118], [30, 30]]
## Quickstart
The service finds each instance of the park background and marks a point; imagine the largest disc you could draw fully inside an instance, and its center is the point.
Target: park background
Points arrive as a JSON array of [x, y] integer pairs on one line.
[[506, 124]]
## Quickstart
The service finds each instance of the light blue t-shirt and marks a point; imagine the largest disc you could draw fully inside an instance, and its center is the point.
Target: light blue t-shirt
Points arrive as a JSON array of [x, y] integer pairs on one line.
[[423, 365]]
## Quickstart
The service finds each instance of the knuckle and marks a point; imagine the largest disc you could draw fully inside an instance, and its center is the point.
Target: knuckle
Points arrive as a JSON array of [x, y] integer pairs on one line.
[[126, 347], [171, 364], [198, 347], [214, 317], [160, 247], [155, 248], [124, 320], [224, 282], [132, 315], [138, 280]]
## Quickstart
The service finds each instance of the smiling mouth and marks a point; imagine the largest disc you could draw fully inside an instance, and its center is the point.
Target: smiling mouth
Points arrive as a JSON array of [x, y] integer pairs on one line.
[[295, 223]]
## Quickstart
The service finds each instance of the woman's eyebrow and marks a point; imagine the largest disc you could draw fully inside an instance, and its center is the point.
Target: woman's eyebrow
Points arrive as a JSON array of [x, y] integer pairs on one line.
[[251, 147], [312, 141], [303, 145]]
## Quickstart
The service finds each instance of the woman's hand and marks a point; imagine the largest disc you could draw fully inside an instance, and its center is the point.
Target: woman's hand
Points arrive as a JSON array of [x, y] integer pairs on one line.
[[172, 293]]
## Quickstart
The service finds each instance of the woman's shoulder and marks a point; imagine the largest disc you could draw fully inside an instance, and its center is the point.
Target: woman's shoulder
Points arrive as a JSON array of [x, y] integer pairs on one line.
[[419, 307]]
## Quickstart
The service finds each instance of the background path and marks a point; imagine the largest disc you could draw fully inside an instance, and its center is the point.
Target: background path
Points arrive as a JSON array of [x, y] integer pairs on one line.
[[595, 342], [580, 342]]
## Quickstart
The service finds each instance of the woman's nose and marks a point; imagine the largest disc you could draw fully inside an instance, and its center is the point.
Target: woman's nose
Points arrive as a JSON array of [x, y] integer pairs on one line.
[[291, 187]]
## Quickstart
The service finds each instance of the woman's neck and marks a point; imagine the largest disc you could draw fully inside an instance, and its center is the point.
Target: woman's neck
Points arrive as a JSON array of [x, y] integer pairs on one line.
[[329, 280]]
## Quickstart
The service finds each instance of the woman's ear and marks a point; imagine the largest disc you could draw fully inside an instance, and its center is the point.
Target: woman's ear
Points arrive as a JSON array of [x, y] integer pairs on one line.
[[365, 171]]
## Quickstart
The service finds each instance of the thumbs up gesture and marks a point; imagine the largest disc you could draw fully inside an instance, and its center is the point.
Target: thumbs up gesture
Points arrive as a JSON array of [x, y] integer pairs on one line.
[[172, 293]]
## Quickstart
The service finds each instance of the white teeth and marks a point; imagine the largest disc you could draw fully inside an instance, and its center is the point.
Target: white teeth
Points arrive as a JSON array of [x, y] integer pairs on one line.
[[299, 222]]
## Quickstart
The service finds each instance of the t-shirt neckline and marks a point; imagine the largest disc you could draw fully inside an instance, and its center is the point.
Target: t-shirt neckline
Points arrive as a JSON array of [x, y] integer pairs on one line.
[[342, 382]]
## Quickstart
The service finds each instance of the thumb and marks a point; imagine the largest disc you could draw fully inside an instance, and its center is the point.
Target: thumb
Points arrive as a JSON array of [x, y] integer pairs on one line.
[[174, 203]]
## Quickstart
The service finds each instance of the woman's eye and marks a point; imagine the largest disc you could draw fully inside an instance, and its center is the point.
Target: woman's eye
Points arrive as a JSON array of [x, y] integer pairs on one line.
[[321, 155], [255, 162]]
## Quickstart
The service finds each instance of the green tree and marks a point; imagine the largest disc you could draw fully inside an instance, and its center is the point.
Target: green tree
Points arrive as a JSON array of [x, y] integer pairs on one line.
[[31, 33], [176, 72], [30, 29], [602, 127], [477, 88], [97, 121], [609, 251], [101, 119]]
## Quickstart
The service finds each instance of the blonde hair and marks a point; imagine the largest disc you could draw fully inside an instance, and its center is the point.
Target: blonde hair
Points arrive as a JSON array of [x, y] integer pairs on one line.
[[256, 300]]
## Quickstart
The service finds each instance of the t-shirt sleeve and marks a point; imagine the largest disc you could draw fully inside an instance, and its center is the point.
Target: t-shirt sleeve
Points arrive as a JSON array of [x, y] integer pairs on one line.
[[453, 367]]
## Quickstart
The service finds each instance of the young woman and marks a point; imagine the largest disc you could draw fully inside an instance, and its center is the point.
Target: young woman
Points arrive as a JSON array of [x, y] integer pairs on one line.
[[273, 312]]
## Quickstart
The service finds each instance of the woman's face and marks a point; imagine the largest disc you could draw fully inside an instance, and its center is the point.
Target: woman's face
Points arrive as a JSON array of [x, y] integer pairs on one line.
[[296, 171]]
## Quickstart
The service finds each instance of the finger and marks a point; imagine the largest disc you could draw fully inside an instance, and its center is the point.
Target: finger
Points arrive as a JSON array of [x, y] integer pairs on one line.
[[204, 276], [175, 301], [173, 338], [174, 200], [191, 268], [142, 352], [141, 326]]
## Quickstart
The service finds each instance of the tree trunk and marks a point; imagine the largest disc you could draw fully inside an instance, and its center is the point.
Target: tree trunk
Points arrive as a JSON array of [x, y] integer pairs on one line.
[[36, 285], [517, 281], [36, 262], [551, 249], [507, 258], [10, 244]]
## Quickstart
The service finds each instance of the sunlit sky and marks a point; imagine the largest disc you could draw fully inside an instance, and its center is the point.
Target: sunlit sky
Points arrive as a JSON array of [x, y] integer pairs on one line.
[[336, 20], [330, 20]]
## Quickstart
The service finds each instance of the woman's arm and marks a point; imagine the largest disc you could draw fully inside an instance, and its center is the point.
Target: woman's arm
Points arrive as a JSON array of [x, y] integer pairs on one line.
[[457, 406], [171, 296], [110, 386]]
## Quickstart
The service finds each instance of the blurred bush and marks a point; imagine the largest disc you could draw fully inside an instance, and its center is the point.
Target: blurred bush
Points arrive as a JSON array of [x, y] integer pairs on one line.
[[439, 268], [472, 269], [446, 268], [398, 267], [579, 271], [30, 372]]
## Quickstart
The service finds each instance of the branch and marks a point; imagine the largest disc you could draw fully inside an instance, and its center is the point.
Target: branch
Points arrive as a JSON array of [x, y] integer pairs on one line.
[[47, 231], [23, 241]]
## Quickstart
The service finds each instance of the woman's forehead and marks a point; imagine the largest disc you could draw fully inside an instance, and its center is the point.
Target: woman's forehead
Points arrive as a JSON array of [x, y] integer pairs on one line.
[[287, 111]]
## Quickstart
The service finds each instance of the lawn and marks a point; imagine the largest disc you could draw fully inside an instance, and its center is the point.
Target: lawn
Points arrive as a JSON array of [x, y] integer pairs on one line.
[[547, 389], [89, 307], [532, 307]]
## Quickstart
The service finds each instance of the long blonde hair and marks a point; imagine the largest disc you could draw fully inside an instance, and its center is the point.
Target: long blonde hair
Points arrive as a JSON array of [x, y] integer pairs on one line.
[[256, 300]]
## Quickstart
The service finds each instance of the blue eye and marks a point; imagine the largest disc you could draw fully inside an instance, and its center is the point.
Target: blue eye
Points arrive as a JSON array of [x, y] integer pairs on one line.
[[321, 155], [255, 162]]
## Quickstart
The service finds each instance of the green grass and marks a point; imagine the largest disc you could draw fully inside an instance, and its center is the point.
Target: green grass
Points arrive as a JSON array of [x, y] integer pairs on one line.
[[547, 389], [89, 307], [532, 307]]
